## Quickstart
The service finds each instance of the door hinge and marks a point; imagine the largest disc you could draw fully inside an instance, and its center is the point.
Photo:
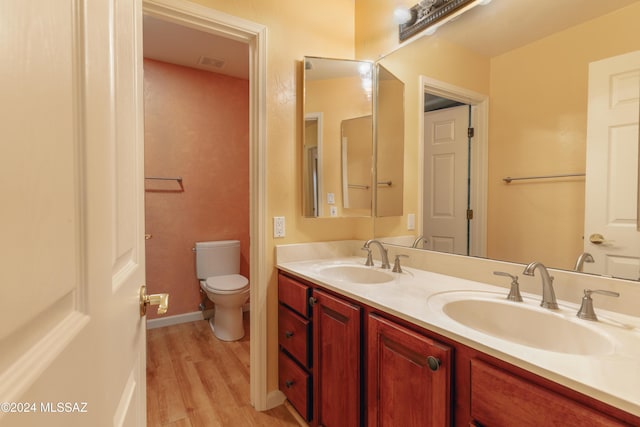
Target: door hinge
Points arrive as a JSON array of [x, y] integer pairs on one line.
[[469, 214], [471, 132]]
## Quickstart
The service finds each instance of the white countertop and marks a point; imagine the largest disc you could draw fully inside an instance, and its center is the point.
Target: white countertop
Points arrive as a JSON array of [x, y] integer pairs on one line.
[[612, 377]]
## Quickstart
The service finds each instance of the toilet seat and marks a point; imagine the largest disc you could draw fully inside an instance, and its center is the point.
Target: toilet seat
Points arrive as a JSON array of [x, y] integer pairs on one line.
[[228, 284]]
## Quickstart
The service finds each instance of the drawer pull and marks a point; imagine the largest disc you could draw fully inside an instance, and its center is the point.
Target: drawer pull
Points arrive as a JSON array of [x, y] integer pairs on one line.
[[312, 301], [433, 362], [288, 383], [288, 334]]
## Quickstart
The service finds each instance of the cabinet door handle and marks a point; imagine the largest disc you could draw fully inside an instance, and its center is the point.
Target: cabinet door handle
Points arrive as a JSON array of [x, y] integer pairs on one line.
[[312, 301], [288, 334], [288, 383], [434, 363]]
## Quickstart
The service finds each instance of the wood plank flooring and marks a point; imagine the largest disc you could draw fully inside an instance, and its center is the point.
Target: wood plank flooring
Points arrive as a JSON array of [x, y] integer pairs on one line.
[[194, 379]]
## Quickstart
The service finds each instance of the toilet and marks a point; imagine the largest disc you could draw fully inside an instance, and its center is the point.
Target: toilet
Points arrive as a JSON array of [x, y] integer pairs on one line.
[[218, 268]]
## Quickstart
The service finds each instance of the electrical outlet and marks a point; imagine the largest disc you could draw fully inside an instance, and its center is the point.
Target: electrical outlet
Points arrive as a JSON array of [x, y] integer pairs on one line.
[[411, 221], [278, 226], [331, 198], [333, 211]]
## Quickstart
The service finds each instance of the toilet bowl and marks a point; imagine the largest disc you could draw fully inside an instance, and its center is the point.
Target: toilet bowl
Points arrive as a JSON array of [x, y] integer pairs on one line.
[[218, 266]]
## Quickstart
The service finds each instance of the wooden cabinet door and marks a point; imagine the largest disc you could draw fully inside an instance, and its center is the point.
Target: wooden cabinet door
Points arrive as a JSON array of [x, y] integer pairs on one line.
[[403, 390], [336, 361]]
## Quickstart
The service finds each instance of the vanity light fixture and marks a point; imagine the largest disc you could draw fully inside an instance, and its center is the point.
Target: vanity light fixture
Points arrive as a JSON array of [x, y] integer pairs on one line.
[[429, 15]]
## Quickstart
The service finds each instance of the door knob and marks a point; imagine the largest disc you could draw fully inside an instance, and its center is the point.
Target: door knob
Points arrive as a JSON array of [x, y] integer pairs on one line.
[[161, 300], [597, 239]]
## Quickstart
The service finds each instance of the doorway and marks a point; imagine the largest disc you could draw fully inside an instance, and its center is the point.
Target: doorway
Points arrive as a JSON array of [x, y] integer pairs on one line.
[[254, 35], [447, 94]]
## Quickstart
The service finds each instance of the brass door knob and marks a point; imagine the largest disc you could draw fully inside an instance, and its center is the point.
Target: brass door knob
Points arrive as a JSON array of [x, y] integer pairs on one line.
[[161, 300], [596, 239]]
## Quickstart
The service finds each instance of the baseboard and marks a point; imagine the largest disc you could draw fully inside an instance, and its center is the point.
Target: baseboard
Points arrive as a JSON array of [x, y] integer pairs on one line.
[[275, 398], [179, 318]]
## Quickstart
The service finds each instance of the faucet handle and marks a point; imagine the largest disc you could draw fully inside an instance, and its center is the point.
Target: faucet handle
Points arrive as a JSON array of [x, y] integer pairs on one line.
[[514, 292], [396, 263], [369, 262], [586, 308]]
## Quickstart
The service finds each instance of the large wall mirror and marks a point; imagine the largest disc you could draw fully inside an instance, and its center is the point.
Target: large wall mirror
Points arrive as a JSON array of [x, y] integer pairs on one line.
[[353, 152], [552, 90]]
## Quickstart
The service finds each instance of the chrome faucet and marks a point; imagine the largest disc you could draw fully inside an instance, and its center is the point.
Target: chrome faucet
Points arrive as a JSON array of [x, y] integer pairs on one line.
[[584, 257], [384, 255], [548, 295], [417, 241]]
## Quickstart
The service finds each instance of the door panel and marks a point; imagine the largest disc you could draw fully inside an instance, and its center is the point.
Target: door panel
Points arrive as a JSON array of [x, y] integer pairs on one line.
[[72, 217], [336, 361], [403, 389], [446, 158], [612, 167]]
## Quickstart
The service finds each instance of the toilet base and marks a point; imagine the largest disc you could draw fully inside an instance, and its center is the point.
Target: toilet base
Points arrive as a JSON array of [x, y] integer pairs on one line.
[[226, 323]]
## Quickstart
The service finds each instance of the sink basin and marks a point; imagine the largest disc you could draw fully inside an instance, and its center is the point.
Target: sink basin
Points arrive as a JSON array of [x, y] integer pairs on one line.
[[356, 274], [527, 324]]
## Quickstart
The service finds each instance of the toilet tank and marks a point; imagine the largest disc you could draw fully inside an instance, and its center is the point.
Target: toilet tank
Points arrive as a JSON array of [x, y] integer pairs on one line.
[[217, 258]]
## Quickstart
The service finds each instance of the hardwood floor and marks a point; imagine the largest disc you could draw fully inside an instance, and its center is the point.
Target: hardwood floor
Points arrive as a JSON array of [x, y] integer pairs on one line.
[[194, 379]]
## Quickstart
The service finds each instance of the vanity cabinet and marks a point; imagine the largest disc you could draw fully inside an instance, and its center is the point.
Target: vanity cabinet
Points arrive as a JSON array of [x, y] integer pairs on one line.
[[294, 342], [336, 360], [344, 363], [500, 398], [409, 377]]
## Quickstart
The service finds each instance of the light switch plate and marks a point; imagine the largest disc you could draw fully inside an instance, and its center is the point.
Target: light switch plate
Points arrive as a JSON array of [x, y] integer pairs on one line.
[[278, 226], [331, 198]]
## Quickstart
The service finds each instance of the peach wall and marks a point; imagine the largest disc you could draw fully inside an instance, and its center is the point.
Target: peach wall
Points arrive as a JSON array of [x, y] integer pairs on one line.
[[538, 124], [197, 127]]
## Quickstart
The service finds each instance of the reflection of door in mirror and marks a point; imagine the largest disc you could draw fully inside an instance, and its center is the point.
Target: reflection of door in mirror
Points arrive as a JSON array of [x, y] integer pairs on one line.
[[357, 161], [312, 165], [446, 180], [610, 233]]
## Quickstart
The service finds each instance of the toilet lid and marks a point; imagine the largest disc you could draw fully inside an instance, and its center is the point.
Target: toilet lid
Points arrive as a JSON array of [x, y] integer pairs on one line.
[[228, 283]]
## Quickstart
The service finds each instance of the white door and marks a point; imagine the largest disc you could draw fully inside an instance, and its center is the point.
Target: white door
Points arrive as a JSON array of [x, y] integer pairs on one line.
[[72, 342], [610, 233], [446, 159]]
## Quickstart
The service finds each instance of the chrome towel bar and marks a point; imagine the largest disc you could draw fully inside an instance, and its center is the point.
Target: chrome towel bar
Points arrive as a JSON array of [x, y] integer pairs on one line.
[[177, 178], [509, 179]]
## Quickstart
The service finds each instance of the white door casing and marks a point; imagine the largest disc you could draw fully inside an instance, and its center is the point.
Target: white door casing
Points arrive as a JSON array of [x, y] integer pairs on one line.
[[202, 18], [446, 179], [611, 194], [73, 342]]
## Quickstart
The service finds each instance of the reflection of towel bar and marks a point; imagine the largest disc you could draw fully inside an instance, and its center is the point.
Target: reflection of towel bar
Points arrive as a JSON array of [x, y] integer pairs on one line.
[[387, 183], [178, 178], [358, 186], [509, 179]]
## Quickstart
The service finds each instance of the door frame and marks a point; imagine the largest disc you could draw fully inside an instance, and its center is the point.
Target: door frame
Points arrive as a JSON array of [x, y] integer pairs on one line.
[[479, 155], [208, 20]]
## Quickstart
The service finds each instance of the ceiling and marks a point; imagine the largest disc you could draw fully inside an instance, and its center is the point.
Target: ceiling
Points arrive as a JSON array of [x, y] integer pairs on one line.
[[489, 30], [177, 44]]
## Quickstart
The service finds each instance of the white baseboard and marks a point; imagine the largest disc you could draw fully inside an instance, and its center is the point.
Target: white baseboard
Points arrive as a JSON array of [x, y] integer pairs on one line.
[[179, 318], [275, 398]]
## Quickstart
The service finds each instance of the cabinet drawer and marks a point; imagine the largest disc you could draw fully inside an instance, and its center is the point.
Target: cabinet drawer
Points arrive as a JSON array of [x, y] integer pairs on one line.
[[295, 383], [294, 334], [294, 294], [500, 398]]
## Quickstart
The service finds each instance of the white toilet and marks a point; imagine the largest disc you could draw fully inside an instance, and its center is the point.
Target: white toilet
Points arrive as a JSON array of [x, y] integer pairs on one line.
[[218, 268]]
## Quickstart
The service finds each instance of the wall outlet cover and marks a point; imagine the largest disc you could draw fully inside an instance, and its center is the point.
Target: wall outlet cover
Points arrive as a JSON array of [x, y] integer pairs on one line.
[[278, 226], [333, 211], [411, 221]]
